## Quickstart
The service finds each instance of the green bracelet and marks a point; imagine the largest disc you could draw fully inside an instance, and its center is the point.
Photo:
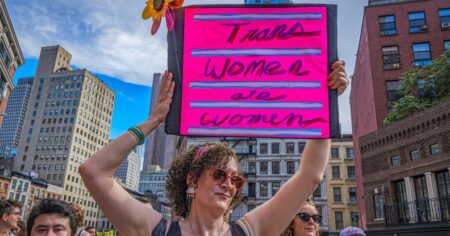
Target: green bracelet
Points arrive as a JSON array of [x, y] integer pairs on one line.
[[135, 130]]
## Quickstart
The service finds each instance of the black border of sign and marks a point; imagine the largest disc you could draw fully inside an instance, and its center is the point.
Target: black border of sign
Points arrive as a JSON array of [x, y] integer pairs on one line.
[[175, 41]]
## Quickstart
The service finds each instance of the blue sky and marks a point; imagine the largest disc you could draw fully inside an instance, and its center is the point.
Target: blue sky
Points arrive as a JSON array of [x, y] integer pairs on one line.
[[110, 39]]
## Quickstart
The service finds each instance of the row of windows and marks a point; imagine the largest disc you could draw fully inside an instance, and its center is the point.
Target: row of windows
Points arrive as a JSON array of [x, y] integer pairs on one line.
[[61, 112], [62, 103], [54, 139], [63, 95], [64, 86], [275, 148], [52, 157], [54, 148], [337, 195], [421, 54], [264, 170], [50, 167], [417, 22], [348, 153], [415, 154], [336, 172]]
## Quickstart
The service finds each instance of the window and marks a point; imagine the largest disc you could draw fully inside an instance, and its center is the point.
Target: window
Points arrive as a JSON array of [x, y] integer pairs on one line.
[[391, 58], [422, 54], [290, 167], [301, 147], [252, 167], [337, 195], [263, 148], [349, 153], [395, 161], [443, 184], [263, 168], [387, 25], [378, 205], [318, 191], [427, 88], [417, 22], [352, 195], [290, 148], [335, 153], [444, 16], [275, 167], [435, 149], [263, 189], [3, 87], [351, 172], [336, 172], [275, 187], [4, 55], [339, 220], [354, 219], [414, 155], [275, 148], [393, 91], [446, 45]]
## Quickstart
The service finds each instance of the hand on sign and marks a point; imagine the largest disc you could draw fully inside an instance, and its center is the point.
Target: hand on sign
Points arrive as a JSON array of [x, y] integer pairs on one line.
[[338, 79], [164, 99]]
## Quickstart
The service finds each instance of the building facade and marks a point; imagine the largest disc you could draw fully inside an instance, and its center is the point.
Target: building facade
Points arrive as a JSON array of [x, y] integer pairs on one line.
[[11, 58], [128, 170], [12, 125], [341, 185], [160, 148], [68, 119], [406, 175], [396, 35]]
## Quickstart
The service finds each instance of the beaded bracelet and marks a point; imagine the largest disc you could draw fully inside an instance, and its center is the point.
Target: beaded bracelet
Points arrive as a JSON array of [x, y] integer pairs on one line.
[[136, 131]]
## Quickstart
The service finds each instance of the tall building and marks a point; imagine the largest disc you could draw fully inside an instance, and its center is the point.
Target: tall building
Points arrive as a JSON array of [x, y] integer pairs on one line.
[[68, 119], [128, 171], [406, 170], [396, 35], [16, 110], [341, 185], [160, 148], [11, 58]]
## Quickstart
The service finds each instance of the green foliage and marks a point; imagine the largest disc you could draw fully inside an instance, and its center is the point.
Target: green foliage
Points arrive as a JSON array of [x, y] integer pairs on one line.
[[435, 81]]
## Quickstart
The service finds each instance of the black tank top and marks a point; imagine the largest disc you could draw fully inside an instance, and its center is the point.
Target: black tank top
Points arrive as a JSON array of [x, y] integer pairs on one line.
[[175, 229]]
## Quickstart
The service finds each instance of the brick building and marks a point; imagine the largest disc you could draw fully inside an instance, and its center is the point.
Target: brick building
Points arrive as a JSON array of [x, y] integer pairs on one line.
[[396, 35], [406, 175]]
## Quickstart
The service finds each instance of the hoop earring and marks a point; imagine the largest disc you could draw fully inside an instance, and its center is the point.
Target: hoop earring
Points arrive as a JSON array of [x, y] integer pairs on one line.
[[190, 192]]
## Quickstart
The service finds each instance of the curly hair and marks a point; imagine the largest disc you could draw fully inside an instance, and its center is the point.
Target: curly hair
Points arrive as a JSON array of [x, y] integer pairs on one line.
[[217, 156], [289, 231], [79, 213]]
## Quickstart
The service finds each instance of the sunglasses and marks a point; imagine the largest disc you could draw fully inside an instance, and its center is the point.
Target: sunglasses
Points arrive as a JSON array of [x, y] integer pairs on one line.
[[305, 217], [220, 176]]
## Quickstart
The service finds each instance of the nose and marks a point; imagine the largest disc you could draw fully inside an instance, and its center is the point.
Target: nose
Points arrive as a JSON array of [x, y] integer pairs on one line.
[[227, 183]]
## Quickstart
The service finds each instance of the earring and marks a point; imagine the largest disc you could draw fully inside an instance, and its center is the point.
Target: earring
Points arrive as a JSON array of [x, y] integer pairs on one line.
[[190, 192]]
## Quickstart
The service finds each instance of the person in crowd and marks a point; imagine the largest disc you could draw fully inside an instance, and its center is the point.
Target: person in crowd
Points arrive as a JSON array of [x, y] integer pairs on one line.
[[203, 184], [10, 216], [21, 229], [306, 222], [91, 230], [352, 231], [80, 220], [52, 217]]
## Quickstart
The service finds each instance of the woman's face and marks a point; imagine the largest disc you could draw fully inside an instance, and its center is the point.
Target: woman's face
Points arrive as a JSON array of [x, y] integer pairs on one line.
[[302, 228], [214, 194]]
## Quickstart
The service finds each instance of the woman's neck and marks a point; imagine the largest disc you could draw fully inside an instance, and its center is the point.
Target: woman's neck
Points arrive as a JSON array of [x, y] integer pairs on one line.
[[204, 222]]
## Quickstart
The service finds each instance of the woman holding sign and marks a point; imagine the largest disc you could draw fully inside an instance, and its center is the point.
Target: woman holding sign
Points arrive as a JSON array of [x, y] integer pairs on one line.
[[203, 184]]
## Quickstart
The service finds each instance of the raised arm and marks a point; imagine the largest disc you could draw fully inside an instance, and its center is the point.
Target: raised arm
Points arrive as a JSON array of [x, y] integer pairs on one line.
[[129, 215], [274, 216]]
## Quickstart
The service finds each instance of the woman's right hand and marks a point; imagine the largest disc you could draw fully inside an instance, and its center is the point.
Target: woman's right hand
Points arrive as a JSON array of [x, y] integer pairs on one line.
[[164, 99]]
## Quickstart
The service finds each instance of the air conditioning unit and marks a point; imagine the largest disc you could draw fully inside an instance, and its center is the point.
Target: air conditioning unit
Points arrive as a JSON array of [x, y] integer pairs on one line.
[[445, 25]]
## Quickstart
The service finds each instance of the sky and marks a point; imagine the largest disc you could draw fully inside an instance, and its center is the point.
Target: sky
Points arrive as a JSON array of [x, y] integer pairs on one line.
[[110, 39]]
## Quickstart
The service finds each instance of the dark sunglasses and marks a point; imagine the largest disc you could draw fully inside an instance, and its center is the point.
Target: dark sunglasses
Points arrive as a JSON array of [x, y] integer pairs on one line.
[[220, 176], [305, 217]]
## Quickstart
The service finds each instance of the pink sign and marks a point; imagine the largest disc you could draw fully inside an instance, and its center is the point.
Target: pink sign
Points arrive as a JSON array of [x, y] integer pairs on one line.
[[259, 72]]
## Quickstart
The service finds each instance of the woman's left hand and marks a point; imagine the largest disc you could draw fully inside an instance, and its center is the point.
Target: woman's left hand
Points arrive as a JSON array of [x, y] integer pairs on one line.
[[338, 78]]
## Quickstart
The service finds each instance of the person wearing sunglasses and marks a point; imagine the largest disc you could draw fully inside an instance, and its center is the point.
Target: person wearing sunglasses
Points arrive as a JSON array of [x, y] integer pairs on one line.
[[306, 222], [203, 184], [10, 215]]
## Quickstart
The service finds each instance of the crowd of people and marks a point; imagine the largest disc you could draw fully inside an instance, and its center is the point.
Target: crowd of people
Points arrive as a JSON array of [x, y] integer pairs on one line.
[[48, 217]]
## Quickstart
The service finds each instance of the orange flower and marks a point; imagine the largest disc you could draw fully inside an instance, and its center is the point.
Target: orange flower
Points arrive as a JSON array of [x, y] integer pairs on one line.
[[156, 9]]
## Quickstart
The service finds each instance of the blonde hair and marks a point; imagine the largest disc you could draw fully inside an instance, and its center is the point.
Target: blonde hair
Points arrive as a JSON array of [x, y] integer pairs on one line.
[[289, 231]]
